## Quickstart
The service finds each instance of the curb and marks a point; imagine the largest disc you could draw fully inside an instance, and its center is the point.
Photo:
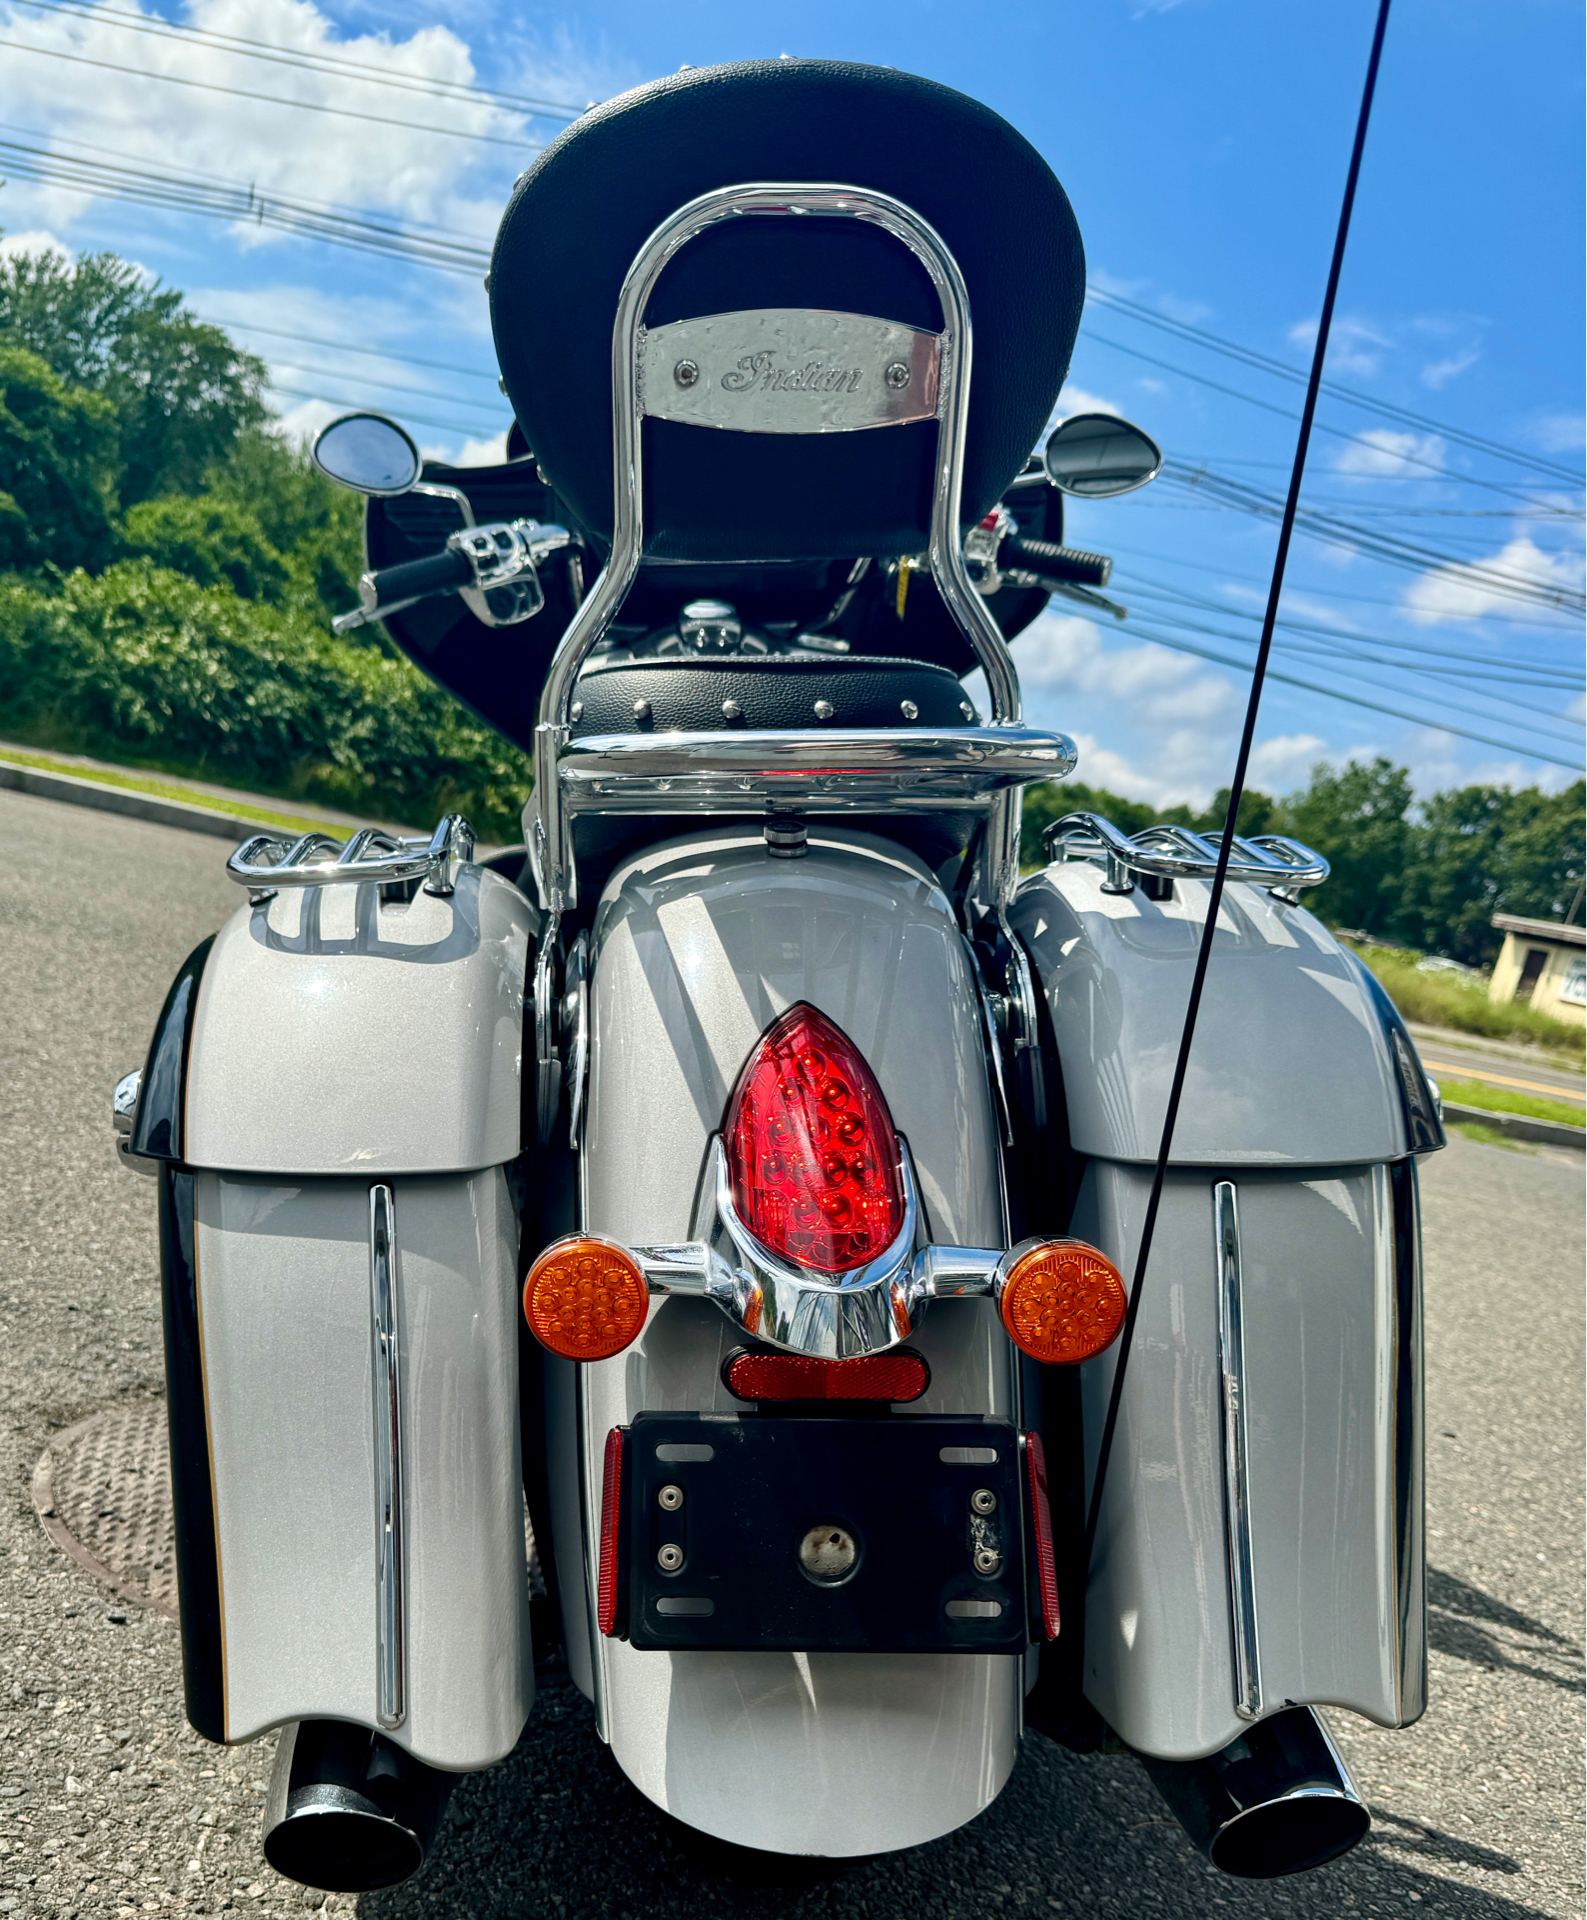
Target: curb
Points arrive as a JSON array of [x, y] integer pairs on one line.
[[1521, 1126], [138, 806]]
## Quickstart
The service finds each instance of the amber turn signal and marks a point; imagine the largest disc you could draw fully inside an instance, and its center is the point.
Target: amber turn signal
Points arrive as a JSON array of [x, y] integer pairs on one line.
[[585, 1298], [1061, 1300]]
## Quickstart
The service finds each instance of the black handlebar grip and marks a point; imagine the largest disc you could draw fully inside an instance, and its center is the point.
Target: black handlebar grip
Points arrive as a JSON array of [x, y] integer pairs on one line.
[[440, 572], [1058, 563]]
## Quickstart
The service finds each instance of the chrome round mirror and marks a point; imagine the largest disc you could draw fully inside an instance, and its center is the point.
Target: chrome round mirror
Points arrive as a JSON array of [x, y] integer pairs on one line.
[[367, 452], [1096, 455]]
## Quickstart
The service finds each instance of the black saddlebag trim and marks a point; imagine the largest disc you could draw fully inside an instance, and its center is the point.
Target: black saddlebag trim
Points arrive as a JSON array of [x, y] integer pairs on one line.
[[192, 1490], [158, 1127], [1424, 1130]]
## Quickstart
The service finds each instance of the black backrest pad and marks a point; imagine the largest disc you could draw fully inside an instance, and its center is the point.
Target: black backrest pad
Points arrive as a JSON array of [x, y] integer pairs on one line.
[[587, 205]]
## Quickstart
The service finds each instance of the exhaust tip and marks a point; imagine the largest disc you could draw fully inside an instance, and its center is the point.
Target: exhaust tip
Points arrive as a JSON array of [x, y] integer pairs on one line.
[[1298, 1831], [1278, 1800], [348, 1811]]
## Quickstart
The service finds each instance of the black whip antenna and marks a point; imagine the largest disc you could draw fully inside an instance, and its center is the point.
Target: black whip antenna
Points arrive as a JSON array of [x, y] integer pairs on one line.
[[1237, 788]]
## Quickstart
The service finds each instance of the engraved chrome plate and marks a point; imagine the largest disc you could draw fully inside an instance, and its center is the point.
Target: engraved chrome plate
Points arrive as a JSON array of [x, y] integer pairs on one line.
[[789, 370]]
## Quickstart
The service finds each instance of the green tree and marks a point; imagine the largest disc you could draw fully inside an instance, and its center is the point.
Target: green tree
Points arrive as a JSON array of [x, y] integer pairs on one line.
[[57, 467], [316, 527], [1483, 850], [1356, 817], [213, 541], [181, 390]]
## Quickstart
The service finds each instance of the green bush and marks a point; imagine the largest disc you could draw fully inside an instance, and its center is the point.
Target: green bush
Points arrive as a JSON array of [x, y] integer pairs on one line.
[[1450, 1000], [212, 542], [141, 664]]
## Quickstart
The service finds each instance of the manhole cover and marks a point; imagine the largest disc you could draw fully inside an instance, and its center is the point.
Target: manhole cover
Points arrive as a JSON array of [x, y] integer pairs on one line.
[[103, 1491]]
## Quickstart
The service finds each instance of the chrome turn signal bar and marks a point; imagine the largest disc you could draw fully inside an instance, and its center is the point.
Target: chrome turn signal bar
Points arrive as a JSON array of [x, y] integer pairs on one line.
[[587, 1297]]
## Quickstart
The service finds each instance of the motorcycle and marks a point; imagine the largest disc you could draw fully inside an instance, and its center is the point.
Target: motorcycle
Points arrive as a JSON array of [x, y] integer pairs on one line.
[[737, 1178]]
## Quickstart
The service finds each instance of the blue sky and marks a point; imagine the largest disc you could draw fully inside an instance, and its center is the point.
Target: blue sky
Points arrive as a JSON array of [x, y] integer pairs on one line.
[[1203, 143]]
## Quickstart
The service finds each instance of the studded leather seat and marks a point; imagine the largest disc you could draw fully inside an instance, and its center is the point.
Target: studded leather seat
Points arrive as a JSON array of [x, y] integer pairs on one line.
[[704, 695]]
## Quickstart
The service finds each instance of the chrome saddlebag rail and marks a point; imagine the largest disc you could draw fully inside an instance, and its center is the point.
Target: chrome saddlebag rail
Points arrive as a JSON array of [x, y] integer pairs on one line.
[[1176, 853], [267, 861]]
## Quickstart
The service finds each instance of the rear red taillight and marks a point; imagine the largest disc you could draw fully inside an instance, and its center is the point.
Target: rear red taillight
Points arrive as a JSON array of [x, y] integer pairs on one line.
[[811, 1149], [611, 1514], [1046, 1568], [796, 1376]]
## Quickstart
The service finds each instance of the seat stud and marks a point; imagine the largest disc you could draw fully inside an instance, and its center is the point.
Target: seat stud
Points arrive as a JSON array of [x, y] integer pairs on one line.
[[822, 709], [909, 710]]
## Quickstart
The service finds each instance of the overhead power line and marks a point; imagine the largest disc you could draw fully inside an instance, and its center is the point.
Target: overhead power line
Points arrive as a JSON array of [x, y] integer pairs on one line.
[[216, 199], [1249, 356], [353, 406], [1351, 699], [1558, 728], [1382, 546], [273, 99], [1288, 413], [1485, 664], [393, 386], [344, 346], [310, 60]]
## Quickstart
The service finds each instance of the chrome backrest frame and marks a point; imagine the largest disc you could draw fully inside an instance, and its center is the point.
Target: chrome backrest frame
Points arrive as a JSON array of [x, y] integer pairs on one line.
[[546, 825]]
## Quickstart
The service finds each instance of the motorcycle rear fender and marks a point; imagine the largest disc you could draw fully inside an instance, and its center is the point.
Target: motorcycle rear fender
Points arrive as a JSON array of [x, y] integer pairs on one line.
[[327, 1043], [1303, 1099], [699, 944]]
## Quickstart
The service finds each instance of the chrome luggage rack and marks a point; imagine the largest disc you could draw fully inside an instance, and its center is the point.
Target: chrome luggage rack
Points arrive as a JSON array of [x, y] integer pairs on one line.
[[1171, 853], [267, 862]]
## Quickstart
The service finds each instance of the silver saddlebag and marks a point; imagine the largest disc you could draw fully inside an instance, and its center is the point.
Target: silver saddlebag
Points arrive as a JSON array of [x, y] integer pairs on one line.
[[1261, 1537], [333, 1097]]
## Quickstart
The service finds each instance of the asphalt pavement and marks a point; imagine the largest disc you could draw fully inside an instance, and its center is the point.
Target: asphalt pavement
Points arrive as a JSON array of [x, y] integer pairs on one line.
[[110, 1805], [1524, 1069]]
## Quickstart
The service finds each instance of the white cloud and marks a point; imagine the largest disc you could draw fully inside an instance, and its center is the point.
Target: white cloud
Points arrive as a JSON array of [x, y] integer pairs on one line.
[[471, 453], [1075, 399], [1458, 593], [1353, 345], [1187, 712], [1439, 373], [422, 176], [1380, 452], [1285, 760], [38, 241], [1560, 432], [299, 425]]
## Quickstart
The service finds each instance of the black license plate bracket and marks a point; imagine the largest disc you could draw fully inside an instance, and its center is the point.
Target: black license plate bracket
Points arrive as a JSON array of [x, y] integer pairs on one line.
[[716, 1511]]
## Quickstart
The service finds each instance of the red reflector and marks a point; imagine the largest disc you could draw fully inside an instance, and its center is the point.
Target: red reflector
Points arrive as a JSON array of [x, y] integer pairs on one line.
[[1041, 1527], [811, 1148], [611, 1511], [795, 1376]]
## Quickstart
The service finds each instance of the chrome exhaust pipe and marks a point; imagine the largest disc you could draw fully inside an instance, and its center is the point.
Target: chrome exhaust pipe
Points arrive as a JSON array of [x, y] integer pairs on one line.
[[348, 1811], [1277, 1800]]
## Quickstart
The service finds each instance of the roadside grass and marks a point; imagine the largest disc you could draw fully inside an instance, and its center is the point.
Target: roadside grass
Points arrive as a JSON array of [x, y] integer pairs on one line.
[[1448, 1000], [1477, 1093], [1489, 1136], [167, 790]]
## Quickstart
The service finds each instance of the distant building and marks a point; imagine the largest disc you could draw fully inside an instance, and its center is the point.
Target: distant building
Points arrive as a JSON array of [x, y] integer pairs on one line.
[[1543, 962]]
